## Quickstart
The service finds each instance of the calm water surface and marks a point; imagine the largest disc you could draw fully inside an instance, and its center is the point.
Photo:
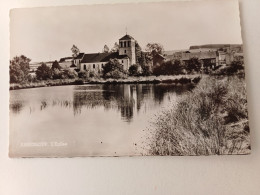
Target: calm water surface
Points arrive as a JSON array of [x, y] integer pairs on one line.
[[86, 119]]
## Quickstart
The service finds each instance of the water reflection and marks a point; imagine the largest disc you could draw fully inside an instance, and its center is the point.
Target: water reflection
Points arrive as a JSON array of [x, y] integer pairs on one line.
[[125, 98]]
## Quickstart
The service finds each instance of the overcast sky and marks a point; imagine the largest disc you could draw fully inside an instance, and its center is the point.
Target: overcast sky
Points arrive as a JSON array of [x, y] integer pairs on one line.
[[44, 34]]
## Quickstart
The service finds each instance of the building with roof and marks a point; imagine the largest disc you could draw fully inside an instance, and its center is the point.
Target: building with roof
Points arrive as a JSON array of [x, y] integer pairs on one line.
[[207, 57], [96, 61]]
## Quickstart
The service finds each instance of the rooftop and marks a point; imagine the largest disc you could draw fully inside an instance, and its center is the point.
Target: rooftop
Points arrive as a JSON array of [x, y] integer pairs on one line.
[[101, 57], [126, 37]]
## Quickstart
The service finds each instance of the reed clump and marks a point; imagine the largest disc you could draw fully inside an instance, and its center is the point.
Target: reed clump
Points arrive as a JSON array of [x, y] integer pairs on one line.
[[211, 119]]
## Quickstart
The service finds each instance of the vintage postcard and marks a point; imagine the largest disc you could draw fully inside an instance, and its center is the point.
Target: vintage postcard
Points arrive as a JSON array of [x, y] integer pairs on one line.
[[128, 80]]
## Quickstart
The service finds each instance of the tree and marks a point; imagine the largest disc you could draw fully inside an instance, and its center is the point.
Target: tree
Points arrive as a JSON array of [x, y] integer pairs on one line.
[[177, 67], [43, 72], [145, 64], [133, 70], [138, 52], [56, 73], [115, 48], [55, 65], [19, 69], [168, 68], [75, 51], [153, 49], [106, 49], [113, 69], [193, 65]]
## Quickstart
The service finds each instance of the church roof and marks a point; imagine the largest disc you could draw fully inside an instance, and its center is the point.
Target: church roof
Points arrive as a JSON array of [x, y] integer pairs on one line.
[[80, 56], [101, 57], [126, 37]]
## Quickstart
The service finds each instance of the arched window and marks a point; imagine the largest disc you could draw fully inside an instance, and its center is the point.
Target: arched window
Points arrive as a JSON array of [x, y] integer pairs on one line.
[[122, 61], [125, 44], [85, 67], [125, 51], [94, 66]]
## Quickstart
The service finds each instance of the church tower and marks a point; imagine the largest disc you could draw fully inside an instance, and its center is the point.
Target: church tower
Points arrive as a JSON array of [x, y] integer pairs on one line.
[[127, 47]]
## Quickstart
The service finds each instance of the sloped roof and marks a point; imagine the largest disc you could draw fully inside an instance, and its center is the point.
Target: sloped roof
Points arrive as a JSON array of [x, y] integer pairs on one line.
[[80, 56], [73, 65], [199, 55], [65, 58], [126, 37], [101, 57]]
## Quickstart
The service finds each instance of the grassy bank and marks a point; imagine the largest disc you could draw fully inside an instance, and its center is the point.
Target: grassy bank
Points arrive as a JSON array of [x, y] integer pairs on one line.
[[47, 83], [211, 119], [178, 80]]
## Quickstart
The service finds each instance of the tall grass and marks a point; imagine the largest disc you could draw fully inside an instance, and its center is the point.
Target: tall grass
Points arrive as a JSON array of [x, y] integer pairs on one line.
[[211, 119]]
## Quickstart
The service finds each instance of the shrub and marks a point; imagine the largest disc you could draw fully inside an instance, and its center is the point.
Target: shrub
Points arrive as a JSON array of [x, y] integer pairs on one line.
[[116, 74], [83, 74], [69, 74], [79, 82], [94, 74]]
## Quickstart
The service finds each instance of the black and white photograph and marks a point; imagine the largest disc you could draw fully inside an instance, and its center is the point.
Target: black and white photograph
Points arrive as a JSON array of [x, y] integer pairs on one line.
[[134, 79]]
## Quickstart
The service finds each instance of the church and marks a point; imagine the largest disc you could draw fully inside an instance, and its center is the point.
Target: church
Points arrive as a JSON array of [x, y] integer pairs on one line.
[[96, 61]]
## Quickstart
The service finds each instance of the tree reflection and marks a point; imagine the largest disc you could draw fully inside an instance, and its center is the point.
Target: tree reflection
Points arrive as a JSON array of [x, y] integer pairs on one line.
[[122, 97], [127, 99]]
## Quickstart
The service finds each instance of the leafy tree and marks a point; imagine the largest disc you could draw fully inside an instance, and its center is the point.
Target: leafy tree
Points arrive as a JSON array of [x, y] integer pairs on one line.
[[193, 65], [43, 72], [146, 70], [138, 53], [55, 65], [115, 48], [75, 51], [113, 68], [153, 49], [133, 70], [177, 67], [169, 68], [56, 73], [106, 49], [235, 67], [145, 64], [19, 69]]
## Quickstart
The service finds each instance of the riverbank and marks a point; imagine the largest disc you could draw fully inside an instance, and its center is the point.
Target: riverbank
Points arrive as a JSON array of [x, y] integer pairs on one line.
[[178, 80], [211, 119]]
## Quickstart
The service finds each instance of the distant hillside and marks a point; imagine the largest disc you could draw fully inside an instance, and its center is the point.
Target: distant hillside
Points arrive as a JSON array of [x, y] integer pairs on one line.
[[214, 46]]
